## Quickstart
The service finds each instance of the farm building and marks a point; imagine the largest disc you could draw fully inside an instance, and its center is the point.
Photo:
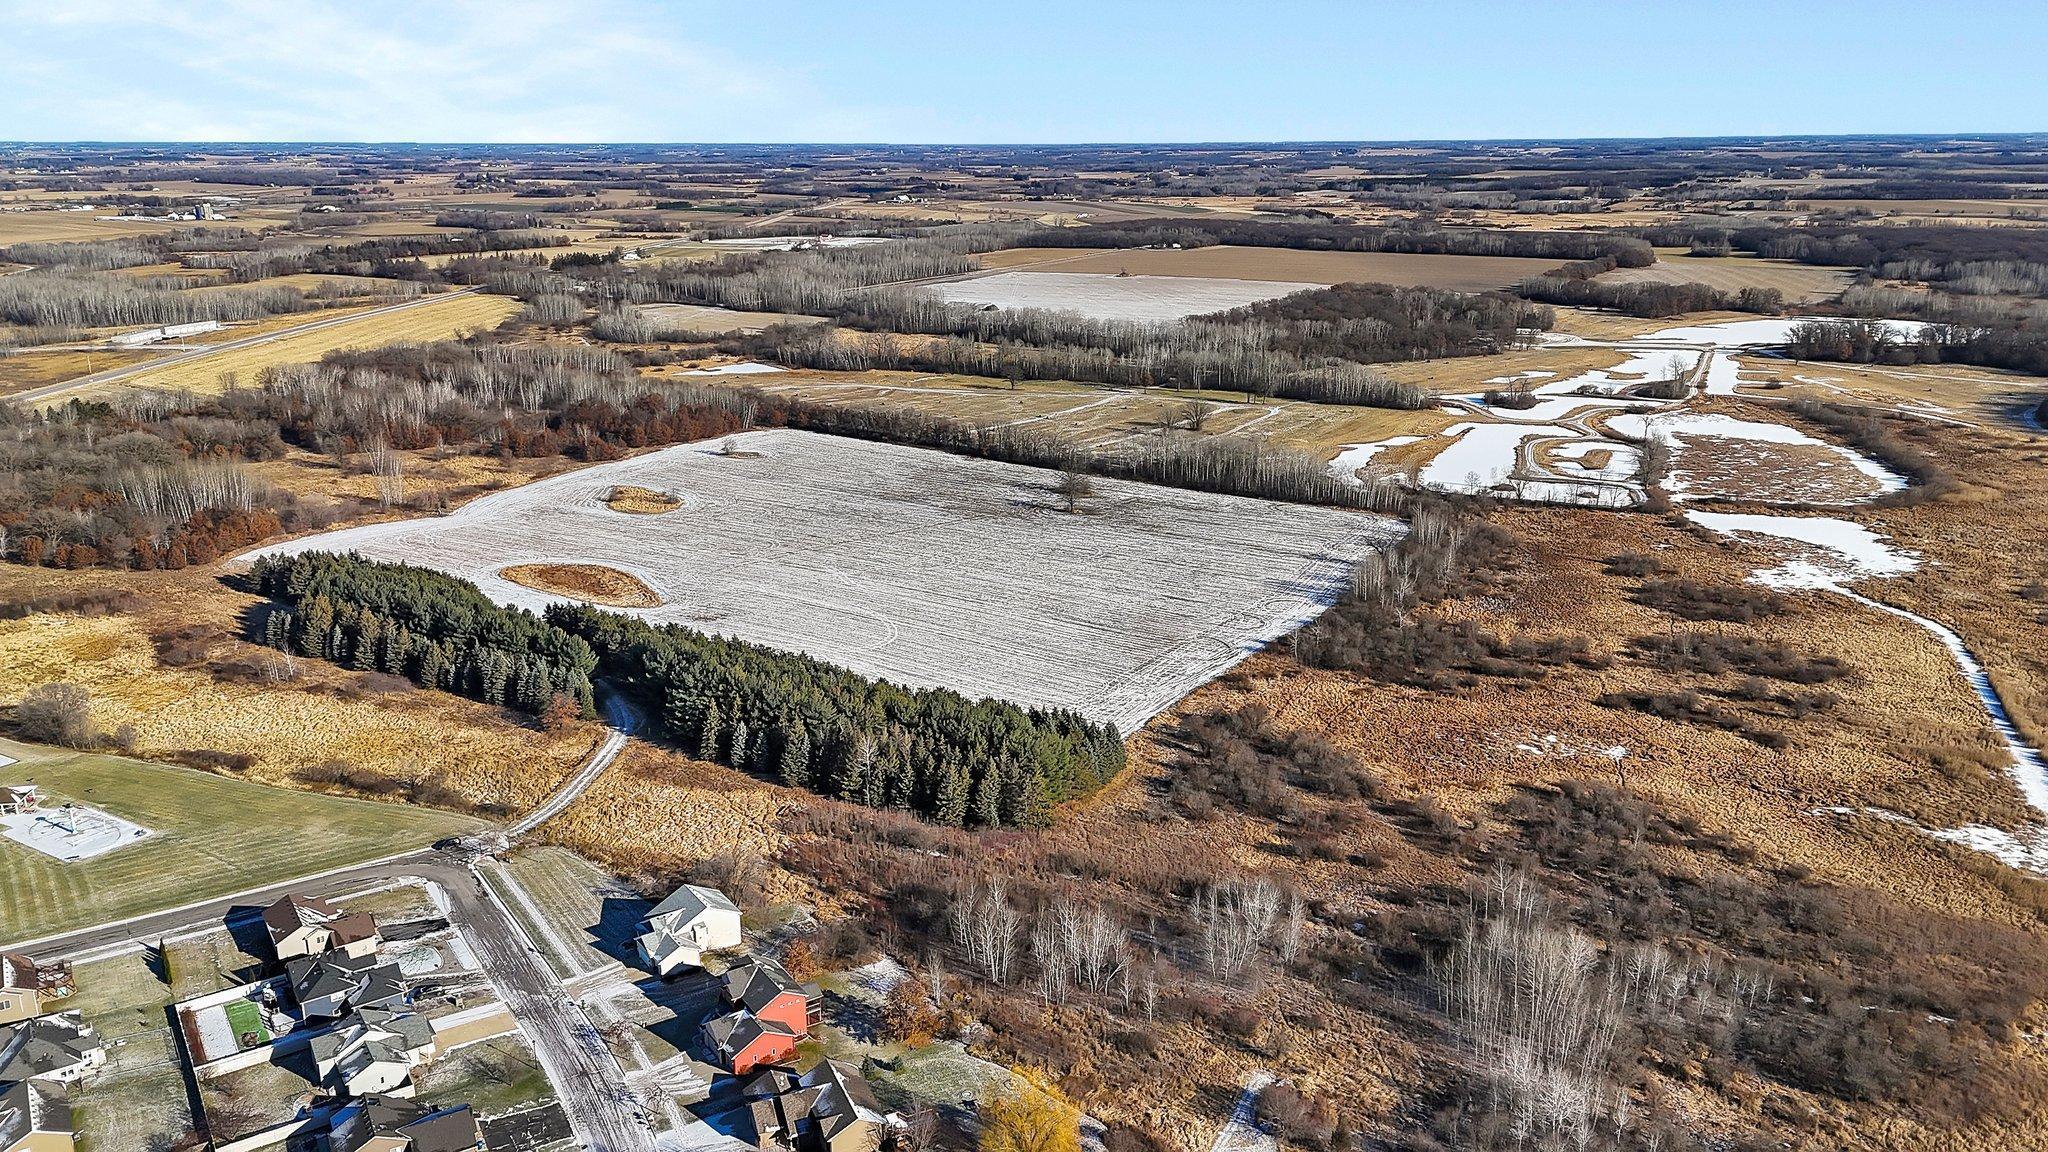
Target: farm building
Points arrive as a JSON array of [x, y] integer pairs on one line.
[[692, 921], [308, 926]]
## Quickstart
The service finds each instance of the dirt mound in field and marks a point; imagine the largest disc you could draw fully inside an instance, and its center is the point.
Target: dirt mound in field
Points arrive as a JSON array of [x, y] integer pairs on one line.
[[643, 501], [593, 582]]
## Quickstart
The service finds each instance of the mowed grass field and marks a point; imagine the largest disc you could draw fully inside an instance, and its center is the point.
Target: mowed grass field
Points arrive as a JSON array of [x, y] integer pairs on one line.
[[1801, 283], [436, 319], [214, 836], [1231, 262]]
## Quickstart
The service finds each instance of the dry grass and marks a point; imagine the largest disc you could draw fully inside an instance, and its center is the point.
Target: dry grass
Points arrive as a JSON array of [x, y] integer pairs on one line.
[[1800, 283], [592, 582], [702, 320], [65, 227], [437, 319], [1951, 391], [327, 714], [640, 501], [1231, 262], [657, 811], [34, 369], [1469, 374]]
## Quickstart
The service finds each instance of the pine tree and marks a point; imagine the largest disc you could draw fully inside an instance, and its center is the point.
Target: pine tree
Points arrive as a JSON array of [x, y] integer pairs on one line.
[[796, 755], [988, 807], [736, 753], [950, 807], [708, 732]]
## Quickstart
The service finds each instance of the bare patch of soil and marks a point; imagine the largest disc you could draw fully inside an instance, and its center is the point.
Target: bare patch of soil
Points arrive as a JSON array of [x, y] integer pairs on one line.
[[593, 582]]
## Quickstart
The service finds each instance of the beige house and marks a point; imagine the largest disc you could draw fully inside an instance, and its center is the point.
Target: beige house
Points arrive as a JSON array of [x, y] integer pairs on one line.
[[33, 1119], [309, 926], [372, 1052], [831, 1108], [20, 988]]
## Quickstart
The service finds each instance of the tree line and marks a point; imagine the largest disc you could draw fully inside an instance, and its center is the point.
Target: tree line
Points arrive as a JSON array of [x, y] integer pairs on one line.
[[1577, 285], [2008, 346], [813, 725], [435, 630], [1628, 251]]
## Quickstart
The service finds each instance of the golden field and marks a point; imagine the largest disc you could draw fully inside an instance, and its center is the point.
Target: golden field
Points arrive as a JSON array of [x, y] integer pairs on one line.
[[438, 318], [1800, 283]]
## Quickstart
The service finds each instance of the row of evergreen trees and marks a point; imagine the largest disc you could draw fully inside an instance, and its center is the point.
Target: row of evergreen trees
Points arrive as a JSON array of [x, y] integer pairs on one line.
[[802, 721], [433, 629], [818, 726]]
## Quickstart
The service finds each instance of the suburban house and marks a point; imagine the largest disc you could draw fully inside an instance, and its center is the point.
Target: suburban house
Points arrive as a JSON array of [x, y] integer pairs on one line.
[[373, 1052], [770, 1014], [33, 1119], [328, 985], [680, 929], [20, 989], [53, 1049], [831, 1108], [309, 926], [382, 1124]]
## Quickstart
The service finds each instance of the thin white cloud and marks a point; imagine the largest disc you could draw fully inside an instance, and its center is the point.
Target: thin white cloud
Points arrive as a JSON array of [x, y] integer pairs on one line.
[[505, 70]]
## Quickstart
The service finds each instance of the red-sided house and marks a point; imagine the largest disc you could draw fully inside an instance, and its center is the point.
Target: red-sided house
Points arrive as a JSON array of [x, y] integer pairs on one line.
[[770, 1014]]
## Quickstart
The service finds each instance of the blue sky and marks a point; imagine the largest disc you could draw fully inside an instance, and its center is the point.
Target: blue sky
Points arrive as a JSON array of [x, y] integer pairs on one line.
[[1009, 72]]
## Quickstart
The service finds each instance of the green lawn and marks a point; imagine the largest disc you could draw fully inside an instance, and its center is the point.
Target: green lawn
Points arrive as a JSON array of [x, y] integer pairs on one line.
[[213, 836]]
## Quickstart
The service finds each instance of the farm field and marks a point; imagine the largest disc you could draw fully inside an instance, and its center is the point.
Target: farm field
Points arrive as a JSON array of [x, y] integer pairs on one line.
[[1800, 283], [34, 368], [704, 320], [213, 836], [64, 227], [436, 319], [1112, 297], [900, 563], [1234, 262]]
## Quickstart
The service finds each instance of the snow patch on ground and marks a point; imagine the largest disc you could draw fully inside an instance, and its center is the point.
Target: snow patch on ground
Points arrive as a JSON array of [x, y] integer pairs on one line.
[[1109, 297], [1749, 333], [1683, 425], [1350, 458], [743, 368], [1836, 550], [71, 832]]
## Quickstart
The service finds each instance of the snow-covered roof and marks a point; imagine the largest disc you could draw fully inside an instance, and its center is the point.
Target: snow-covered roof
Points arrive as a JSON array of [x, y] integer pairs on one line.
[[692, 901]]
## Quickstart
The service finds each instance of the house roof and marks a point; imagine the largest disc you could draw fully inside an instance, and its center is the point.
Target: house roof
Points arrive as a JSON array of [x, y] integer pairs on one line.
[[426, 1127], [295, 912], [756, 981], [735, 1032], [26, 1109], [361, 980], [394, 1031], [840, 1097], [692, 901], [17, 972], [353, 927], [45, 1046]]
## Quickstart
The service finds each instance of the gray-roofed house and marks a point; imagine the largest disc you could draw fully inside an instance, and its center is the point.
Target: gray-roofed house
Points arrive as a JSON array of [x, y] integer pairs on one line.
[[692, 921], [33, 1119], [328, 985], [384, 1124], [831, 1108], [373, 1052], [61, 1049]]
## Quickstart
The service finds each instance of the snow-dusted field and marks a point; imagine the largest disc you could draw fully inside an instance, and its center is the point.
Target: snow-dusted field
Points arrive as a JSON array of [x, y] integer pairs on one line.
[[1105, 297], [920, 567]]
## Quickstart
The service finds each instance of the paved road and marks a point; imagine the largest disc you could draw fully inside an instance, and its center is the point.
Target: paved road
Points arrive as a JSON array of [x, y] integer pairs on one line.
[[110, 376]]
